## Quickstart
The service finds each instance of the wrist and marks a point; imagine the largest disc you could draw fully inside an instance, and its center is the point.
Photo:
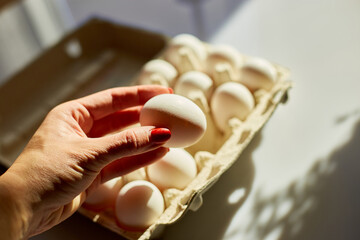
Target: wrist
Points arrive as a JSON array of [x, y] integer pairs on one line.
[[14, 215]]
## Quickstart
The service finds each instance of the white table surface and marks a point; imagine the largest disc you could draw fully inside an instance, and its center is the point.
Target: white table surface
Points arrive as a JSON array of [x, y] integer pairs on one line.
[[299, 178]]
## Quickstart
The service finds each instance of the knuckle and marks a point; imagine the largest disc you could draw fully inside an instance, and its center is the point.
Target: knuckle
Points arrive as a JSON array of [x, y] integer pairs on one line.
[[132, 139]]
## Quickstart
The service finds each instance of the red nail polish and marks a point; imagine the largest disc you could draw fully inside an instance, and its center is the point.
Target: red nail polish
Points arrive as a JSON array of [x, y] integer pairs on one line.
[[171, 90], [160, 135]]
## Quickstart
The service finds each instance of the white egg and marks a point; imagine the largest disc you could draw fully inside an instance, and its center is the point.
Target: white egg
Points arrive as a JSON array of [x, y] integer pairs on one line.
[[181, 116], [224, 54], [230, 100], [104, 195], [158, 71], [257, 74], [138, 205], [175, 170], [194, 81], [186, 49], [223, 64]]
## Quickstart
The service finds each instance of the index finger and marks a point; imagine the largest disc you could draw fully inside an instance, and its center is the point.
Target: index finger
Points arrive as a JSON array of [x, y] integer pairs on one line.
[[109, 101]]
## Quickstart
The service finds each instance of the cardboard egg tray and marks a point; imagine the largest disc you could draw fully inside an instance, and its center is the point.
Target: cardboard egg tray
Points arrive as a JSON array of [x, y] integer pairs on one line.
[[100, 55], [213, 154]]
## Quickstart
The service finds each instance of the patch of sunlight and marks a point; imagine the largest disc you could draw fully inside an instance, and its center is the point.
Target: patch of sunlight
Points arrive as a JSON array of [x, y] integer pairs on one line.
[[284, 208], [274, 234], [265, 215], [236, 196]]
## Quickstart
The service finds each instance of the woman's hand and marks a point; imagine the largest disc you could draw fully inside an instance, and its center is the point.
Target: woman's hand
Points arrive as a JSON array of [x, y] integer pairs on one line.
[[78, 146]]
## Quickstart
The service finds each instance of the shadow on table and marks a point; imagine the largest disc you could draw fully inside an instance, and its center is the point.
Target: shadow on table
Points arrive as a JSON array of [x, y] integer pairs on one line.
[[208, 16], [220, 202], [325, 204]]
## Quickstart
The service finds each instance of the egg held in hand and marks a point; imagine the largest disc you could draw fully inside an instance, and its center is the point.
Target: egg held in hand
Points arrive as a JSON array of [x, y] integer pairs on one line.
[[181, 116], [138, 205], [175, 170]]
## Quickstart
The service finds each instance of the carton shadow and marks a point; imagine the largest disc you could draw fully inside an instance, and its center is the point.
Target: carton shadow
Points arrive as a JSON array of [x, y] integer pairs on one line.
[[325, 204], [220, 201], [208, 16]]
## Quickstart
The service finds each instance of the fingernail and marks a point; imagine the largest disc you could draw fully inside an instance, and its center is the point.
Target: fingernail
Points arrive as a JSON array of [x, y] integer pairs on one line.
[[160, 135], [171, 90]]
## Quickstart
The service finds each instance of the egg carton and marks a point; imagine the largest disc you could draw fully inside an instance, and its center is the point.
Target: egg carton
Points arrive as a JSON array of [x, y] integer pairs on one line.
[[216, 151]]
